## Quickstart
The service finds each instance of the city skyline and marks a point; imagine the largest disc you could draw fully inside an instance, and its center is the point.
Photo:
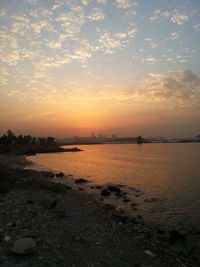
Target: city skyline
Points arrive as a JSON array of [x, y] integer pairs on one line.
[[121, 66]]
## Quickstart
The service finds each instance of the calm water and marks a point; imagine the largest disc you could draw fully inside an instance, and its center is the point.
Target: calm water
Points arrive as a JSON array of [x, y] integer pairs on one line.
[[168, 176]]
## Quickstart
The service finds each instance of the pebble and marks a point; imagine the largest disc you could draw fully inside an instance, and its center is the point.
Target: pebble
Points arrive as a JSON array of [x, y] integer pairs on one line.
[[149, 253], [7, 238], [23, 246]]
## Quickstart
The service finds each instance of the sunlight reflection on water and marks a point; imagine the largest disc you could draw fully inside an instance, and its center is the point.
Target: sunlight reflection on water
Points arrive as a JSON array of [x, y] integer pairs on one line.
[[169, 172]]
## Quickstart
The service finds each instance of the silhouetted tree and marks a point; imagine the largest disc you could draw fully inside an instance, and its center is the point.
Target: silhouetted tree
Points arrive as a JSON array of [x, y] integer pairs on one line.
[[33, 142], [50, 140], [20, 139], [4, 140], [27, 139], [11, 138], [42, 141]]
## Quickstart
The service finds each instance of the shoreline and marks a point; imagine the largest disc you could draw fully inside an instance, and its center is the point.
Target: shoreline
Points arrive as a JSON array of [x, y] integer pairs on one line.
[[48, 199]]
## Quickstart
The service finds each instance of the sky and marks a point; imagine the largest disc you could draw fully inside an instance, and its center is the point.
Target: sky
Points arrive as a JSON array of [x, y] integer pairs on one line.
[[124, 67]]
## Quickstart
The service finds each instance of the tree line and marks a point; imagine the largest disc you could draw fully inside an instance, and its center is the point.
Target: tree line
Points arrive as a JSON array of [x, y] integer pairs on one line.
[[10, 139]]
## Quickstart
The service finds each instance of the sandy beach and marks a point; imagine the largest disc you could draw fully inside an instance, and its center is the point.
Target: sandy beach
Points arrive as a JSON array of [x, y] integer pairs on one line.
[[60, 226]]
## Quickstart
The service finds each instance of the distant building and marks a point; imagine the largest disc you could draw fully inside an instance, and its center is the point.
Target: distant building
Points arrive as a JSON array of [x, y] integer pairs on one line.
[[139, 140]]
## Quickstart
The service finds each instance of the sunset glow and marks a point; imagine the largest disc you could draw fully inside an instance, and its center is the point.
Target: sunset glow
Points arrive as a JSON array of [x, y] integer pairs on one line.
[[69, 67]]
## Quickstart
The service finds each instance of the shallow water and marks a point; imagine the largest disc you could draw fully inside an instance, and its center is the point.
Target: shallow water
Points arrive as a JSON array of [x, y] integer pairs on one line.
[[168, 176]]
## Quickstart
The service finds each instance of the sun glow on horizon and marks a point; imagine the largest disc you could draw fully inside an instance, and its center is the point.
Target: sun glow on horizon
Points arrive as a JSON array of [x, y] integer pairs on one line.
[[124, 67]]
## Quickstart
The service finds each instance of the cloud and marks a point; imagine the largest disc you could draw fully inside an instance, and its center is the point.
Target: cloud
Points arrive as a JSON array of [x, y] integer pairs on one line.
[[110, 42], [96, 14], [175, 35], [132, 32], [174, 16], [2, 13], [197, 27], [156, 15], [178, 18], [71, 22], [3, 76], [125, 3], [183, 87], [151, 60], [102, 1], [85, 2], [152, 43], [57, 5], [33, 2], [81, 54], [121, 35], [39, 26]]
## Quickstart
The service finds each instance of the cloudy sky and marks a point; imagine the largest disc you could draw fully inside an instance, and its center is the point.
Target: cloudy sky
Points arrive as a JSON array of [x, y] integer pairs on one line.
[[129, 67]]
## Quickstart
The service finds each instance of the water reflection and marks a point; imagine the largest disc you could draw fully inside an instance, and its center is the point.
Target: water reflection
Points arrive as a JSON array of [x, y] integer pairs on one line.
[[169, 172]]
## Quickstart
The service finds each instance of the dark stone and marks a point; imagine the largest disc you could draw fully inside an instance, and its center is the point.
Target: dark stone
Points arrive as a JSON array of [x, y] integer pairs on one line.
[[81, 180], [23, 246], [121, 218], [50, 174], [30, 201], [98, 187], [60, 175], [126, 199], [176, 236], [105, 193], [74, 149], [30, 153], [160, 231], [81, 189], [68, 187], [114, 189]]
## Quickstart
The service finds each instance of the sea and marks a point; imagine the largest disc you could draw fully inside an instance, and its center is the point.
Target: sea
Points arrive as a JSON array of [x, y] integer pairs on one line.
[[161, 180]]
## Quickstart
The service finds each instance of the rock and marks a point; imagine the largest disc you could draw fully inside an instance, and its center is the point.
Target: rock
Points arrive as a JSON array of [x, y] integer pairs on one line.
[[7, 238], [30, 153], [81, 180], [105, 193], [60, 175], [23, 246], [48, 174], [68, 187], [121, 218], [74, 149], [98, 187], [114, 189], [149, 253], [126, 199], [175, 236], [81, 189]]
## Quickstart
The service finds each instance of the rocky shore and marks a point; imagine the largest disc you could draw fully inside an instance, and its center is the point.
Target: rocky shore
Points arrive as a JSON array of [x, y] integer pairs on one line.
[[34, 149], [43, 223]]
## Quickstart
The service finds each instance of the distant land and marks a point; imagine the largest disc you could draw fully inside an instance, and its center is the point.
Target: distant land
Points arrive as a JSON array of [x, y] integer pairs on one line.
[[100, 139]]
